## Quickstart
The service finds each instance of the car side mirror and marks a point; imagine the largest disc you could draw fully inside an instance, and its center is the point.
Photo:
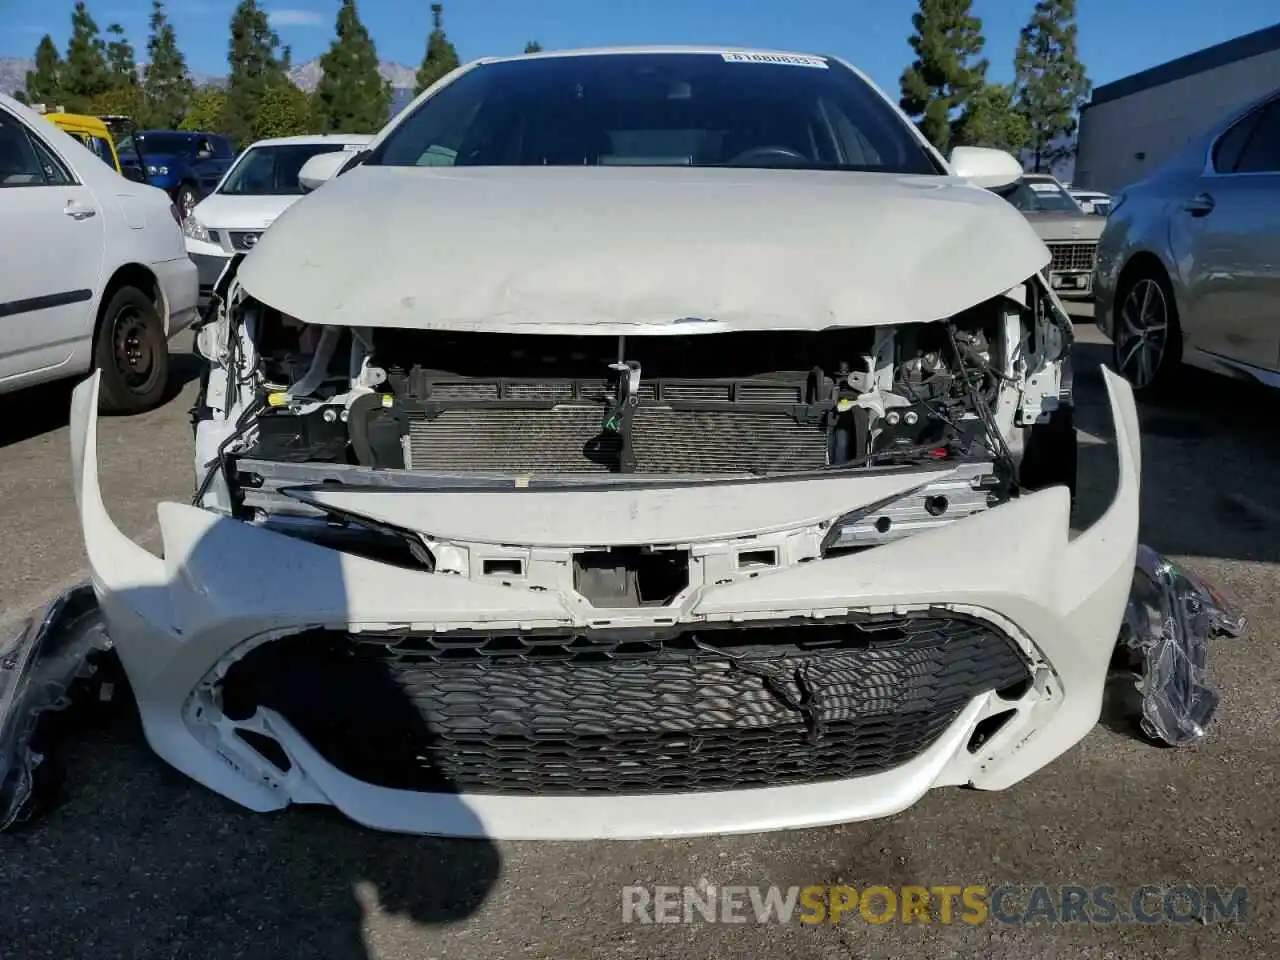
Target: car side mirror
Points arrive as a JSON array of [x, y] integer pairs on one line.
[[985, 167], [131, 171], [321, 168]]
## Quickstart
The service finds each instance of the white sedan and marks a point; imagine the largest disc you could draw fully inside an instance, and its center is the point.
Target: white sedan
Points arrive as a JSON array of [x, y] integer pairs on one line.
[[261, 185], [92, 268]]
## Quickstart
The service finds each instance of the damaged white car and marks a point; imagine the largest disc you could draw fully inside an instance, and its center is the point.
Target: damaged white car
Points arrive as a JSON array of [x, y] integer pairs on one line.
[[628, 443]]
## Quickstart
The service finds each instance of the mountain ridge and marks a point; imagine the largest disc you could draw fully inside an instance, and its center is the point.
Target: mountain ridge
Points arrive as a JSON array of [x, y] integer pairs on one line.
[[13, 75]]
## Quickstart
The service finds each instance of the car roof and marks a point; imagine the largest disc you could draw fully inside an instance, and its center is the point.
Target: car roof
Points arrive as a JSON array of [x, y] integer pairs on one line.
[[314, 138], [654, 49], [82, 121]]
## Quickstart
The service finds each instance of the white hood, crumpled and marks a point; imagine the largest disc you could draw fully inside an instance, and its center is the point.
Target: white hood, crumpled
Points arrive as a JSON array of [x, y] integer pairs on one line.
[[630, 250]]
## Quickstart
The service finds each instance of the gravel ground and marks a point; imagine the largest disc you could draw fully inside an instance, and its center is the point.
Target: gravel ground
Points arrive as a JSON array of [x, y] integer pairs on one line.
[[137, 861]]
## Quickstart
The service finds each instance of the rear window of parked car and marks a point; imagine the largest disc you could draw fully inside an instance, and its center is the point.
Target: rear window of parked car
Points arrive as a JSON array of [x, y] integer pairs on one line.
[[273, 171], [1252, 145], [1039, 196], [673, 109], [25, 161]]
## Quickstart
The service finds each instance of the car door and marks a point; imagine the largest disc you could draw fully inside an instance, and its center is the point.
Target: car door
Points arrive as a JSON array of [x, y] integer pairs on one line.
[[1231, 219], [207, 166], [50, 255], [131, 165]]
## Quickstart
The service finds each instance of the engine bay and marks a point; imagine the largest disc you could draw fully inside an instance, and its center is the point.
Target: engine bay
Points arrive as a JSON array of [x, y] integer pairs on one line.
[[472, 407]]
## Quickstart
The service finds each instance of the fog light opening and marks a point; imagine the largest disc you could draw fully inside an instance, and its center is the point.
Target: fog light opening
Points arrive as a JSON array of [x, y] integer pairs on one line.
[[987, 728]]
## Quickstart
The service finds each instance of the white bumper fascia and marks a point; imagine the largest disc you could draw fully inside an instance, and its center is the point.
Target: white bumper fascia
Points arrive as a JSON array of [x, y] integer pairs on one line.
[[222, 582]]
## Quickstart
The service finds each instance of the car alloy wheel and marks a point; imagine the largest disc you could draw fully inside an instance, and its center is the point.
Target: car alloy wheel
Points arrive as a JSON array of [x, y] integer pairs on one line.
[[1143, 333]]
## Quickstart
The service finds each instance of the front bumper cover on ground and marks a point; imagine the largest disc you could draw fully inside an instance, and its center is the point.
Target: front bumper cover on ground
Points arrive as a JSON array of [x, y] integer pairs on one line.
[[224, 587]]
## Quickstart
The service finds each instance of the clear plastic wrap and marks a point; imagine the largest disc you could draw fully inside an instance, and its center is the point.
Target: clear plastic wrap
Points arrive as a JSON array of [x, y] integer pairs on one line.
[[1172, 615], [40, 665]]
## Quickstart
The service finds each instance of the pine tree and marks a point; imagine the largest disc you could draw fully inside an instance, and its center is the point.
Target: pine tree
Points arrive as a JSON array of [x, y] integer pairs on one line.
[[255, 68], [167, 87], [991, 120], [85, 75], [120, 62], [1051, 81], [44, 83], [946, 72], [533, 46], [124, 96], [441, 57], [351, 97]]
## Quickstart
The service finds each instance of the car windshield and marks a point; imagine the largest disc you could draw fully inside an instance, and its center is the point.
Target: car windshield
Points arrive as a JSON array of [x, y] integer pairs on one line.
[[670, 109], [1040, 196], [164, 143], [272, 171]]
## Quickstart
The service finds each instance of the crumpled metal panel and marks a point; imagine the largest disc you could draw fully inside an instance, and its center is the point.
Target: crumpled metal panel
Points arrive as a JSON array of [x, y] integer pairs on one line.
[[39, 666], [1172, 615]]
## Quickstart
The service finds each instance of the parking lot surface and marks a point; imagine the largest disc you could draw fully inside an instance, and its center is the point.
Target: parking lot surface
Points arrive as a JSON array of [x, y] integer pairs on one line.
[[138, 861]]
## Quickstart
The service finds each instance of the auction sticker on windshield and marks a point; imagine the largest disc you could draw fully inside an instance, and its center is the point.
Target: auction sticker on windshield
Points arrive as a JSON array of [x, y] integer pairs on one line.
[[787, 59]]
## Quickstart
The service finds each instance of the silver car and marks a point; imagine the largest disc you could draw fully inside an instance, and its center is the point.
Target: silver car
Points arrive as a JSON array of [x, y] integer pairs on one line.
[[1070, 233], [1189, 264]]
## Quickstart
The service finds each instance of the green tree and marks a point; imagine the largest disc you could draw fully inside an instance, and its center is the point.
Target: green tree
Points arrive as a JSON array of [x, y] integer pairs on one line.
[[990, 119], [124, 98], [44, 83], [167, 87], [284, 111], [256, 67], [206, 110], [351, 97], [120, 62], [441, 56], [947, 69], [533, 46], [1051, 81], [85, 74]]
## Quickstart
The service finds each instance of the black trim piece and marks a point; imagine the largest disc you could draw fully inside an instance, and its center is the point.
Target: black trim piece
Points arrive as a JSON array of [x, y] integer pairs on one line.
[[12, 308], [1253, 44]]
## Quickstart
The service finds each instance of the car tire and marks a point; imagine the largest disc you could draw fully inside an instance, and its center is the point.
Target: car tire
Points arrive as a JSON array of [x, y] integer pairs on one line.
[[1147, 346], [132, 353], [185, 200]]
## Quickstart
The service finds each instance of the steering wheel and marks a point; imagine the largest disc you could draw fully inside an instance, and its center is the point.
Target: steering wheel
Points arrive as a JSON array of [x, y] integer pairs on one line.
[[766, 153]]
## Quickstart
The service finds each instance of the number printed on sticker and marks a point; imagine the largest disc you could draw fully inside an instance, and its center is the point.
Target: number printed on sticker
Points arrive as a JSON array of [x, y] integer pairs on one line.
[[785, 59]]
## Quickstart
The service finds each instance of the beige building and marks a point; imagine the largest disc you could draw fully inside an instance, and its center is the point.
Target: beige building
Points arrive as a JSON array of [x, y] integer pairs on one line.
[[1132, 125]]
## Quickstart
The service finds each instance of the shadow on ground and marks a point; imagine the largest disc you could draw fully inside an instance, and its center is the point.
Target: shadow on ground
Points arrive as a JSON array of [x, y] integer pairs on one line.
[[1211, 443], [166, 868], [42, 409]]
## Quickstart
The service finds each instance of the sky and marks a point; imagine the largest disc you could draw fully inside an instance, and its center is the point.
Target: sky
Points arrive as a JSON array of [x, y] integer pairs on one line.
[[1117, 37]]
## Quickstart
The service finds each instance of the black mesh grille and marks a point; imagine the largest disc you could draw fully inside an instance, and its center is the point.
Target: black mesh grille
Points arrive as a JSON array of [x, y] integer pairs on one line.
[[244, 239], [568, 439], [558, 713], [1072, 256]]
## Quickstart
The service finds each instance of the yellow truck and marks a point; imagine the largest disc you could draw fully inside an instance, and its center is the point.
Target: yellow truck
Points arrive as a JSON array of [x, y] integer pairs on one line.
[[93, 132]]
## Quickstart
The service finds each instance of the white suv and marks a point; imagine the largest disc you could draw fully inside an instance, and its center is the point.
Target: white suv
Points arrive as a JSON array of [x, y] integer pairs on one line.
[[262, 184], [93, 272]]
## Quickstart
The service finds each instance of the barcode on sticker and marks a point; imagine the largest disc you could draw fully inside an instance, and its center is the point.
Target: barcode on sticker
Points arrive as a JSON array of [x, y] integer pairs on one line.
[[786, 59]]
